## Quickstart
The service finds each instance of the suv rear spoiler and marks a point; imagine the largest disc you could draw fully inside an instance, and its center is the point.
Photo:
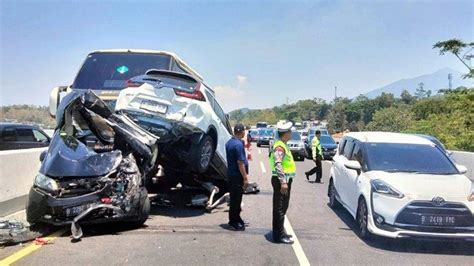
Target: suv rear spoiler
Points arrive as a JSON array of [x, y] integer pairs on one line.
[[152, 72]]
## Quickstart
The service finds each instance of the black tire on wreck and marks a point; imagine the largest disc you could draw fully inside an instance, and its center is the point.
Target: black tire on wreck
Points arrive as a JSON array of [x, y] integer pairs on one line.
[[202, 154]]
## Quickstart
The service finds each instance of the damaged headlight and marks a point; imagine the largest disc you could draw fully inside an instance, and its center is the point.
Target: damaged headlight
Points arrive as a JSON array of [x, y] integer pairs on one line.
[[46, 183]]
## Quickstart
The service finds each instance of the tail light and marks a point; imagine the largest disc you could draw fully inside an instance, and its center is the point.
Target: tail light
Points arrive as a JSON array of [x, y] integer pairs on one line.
[[133, 84], [196, 94]]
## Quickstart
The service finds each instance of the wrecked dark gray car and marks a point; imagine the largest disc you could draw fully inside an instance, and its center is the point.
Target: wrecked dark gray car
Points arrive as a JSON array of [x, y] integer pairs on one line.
[[95, 169]]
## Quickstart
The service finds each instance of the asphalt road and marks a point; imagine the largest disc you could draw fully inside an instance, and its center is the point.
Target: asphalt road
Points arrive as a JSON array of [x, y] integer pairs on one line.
[[188, 236]]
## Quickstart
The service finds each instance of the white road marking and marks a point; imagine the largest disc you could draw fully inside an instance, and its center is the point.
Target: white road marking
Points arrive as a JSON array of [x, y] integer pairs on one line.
[[259, 151], [297, 248], [263, 167]]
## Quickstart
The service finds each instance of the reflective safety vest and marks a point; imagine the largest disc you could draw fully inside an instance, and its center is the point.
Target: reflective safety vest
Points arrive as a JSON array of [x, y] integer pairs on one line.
[[288, 164], [316, 145]]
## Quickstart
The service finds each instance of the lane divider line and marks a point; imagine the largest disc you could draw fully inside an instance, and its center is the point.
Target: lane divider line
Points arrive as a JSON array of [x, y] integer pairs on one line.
[[297, 248], [259, 151], [30, 248], [263, 167]]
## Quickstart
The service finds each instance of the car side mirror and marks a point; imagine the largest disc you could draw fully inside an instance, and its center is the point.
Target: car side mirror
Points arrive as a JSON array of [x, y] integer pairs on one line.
[[54, 97], [42, 155], [461, 168], [353, 165]]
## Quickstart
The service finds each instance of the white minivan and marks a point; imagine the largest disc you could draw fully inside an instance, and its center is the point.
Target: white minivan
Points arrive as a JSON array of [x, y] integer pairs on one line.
[[401, 185]]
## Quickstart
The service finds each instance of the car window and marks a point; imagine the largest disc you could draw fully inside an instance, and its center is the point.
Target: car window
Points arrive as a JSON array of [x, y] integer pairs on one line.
[[357, 153], [25, 134], [210, 98], [112, 70], [295, 136], [326, 139], [348, 149], [9, 135], [342, 145], [40, 137], [401, 157]]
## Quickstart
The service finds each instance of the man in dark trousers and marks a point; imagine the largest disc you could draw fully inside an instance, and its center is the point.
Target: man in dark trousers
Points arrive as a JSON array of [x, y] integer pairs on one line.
[[237, 172], [283, 171], [317, 157]]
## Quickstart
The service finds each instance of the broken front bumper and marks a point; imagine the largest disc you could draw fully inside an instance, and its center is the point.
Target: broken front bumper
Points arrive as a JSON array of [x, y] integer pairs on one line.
[[44, 208]]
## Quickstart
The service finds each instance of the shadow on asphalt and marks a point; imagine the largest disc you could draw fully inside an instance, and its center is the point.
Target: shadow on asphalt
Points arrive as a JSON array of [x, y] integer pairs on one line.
[[441, 247]]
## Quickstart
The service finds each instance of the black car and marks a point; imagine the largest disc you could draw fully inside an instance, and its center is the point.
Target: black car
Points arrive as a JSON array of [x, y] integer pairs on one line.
[[17, 136], [264, 136], [328, 145], [95, 169]]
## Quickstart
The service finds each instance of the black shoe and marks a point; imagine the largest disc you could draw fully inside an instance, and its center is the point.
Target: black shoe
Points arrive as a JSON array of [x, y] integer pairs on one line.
[[245, 223], [288, 235], [318, 181], [237, 226], [307, 176], [284, 240]]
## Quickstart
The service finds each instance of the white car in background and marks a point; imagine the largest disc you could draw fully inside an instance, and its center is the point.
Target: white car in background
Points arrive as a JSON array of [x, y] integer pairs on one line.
[[184, 113], [401, 185]]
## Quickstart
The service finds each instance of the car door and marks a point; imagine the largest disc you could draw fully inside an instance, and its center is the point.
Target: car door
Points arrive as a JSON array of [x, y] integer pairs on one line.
[[8, 141], [220, 122], [344, 181], [25, 138], [338, 168], [353, 181]]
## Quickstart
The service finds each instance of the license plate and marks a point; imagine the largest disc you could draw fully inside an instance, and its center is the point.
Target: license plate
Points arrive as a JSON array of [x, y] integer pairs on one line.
[[153, 107], [437, 220], [76, 210]]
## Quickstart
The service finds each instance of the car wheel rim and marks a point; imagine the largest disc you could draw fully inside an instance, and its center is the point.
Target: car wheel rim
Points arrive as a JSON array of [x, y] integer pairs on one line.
[[362, 218], [206, 154]]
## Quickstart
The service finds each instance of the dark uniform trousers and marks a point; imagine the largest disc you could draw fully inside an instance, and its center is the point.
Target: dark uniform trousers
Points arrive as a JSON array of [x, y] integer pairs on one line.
[[318, 169], [280, 206], [236, 191]]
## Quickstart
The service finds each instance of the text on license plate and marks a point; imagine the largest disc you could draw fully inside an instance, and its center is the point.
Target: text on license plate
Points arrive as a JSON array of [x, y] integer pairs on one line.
[[76, 210], [153, 106], [437, 220]]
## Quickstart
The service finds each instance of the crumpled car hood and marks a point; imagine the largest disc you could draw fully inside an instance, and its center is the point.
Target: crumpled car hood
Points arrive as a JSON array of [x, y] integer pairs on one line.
[[68, 157]]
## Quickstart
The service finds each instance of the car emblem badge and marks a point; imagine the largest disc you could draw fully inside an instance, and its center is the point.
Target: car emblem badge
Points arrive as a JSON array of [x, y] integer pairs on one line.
[[438, 201]]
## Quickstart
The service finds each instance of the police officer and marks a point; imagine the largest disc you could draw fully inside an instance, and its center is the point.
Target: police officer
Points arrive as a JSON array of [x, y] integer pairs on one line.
[[237, 171], [283, 170], [317, 158]]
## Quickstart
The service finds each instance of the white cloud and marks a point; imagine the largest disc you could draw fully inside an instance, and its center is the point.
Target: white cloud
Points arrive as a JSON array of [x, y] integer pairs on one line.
[[231, 97], [242, 80]]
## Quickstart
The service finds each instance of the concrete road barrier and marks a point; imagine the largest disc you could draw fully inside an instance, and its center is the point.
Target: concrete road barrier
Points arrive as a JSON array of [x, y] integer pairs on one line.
[[18, 169], [466, 159]]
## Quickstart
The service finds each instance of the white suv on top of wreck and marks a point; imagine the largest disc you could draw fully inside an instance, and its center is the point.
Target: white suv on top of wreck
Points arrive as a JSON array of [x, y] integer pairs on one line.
[[401, 185], [183, 111], [165, 96]]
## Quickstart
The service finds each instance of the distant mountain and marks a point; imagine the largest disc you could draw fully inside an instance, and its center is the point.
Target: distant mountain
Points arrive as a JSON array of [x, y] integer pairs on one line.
[[434, 82]]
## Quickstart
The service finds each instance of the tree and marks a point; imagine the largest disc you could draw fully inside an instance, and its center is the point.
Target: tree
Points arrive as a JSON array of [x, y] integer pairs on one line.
[[420, 91], [406, 97], [391, 119], [457, 48]]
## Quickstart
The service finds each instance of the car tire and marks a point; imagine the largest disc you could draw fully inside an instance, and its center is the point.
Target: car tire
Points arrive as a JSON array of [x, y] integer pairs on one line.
[[202, 155], [144, 209], [362, 220], [333, 202], [258, 145]]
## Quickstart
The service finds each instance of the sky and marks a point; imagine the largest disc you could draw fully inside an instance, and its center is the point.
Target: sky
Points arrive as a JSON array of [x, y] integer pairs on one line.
[[255, 54]]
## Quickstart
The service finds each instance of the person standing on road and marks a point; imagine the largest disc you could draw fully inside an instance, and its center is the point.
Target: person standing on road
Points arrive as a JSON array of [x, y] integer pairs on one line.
[[317, 157], [237, 171], [283, 170]]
